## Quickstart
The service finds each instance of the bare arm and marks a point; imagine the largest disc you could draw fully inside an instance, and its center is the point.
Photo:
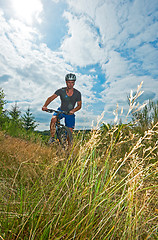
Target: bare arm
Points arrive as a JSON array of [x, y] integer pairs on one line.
[[79, 105], [48, 101]]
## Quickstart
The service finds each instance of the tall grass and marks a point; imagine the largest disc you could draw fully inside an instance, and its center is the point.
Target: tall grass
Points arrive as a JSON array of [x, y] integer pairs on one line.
[[104, 187]]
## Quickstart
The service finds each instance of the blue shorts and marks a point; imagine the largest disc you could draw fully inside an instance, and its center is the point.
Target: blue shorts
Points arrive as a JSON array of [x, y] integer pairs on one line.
[[69, 119]]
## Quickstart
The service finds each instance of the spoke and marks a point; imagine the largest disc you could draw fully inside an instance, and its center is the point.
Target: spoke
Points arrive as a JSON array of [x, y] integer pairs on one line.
[[65, 136]]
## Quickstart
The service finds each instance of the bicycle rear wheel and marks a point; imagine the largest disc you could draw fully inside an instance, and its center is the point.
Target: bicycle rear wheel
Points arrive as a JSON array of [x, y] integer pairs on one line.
[[65, 136]]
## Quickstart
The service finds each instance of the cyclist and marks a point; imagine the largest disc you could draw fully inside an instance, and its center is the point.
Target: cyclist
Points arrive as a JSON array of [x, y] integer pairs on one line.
[[69, 97]]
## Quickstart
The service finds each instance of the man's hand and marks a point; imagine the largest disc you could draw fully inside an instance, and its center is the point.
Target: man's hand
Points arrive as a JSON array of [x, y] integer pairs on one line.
[[79, 105], [48, 101], [71, 112], [44, 108]]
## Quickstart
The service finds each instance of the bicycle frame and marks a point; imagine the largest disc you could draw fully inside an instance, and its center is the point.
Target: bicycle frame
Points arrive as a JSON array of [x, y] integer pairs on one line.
[[58, 124], [62, 131]]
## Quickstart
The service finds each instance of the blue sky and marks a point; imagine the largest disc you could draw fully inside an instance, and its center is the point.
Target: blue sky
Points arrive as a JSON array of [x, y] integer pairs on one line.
[[111, 46]]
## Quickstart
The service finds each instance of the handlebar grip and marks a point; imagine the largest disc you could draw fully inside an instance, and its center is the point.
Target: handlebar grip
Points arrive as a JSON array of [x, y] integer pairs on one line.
[[56, 111], [50, 110], [65, 112]]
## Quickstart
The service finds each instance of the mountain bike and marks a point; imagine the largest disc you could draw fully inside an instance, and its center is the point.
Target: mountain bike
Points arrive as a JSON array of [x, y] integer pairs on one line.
[[63, 134]]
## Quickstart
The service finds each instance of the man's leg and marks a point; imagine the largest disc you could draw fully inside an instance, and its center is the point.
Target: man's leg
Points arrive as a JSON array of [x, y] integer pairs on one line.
[[52, 126], [52, 130], [71, 129], [69, 143], [70, 123]]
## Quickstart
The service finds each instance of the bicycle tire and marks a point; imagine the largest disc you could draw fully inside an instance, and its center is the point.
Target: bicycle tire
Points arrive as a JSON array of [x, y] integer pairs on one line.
[[65, 136]]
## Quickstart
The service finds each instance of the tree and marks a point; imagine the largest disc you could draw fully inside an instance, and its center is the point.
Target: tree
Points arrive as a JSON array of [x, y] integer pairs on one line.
[[3, 115], [153, 106], [13, 126], [28, 120], [2, 101], [147, 116], [15, 113]]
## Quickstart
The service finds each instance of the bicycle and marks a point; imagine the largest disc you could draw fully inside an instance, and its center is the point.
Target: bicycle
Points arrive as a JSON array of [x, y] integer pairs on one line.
[[63, 133]]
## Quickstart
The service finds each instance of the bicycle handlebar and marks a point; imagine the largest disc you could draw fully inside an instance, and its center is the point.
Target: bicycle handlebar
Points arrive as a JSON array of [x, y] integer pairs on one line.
[[56, 111]]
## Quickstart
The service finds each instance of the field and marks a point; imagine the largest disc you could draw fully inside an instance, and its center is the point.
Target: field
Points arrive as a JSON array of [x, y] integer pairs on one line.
[[104, 187]]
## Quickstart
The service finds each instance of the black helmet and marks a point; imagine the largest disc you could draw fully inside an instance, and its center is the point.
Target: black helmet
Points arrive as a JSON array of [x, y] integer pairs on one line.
[[70, 77]]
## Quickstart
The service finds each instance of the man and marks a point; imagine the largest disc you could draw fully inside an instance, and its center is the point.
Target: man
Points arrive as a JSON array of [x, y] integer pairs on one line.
[[69, 96]]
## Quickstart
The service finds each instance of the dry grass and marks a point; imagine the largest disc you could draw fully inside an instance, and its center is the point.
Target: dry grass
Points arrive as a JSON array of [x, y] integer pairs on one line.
[[103, 188]]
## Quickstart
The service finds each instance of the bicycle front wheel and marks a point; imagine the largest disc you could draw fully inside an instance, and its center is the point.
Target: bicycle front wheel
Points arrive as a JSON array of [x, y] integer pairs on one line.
[[65, 136]]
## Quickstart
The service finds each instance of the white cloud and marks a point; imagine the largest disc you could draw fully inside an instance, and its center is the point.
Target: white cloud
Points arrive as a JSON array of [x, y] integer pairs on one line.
[[116, 67], [149, 57], [27, 11], [81, 46], [149, 34], [84, 7], [55, 1], [101, 32], [140, 16], [119, 36], [34, 71], [118, 91], [107, 21]]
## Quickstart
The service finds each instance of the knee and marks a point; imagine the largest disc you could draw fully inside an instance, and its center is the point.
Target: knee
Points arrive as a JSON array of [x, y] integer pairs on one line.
[[53, 120], [71, 129]]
